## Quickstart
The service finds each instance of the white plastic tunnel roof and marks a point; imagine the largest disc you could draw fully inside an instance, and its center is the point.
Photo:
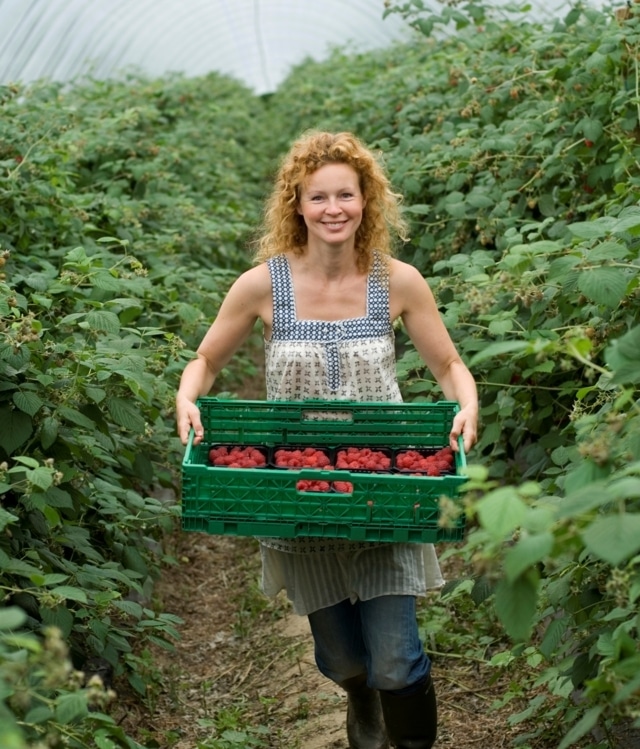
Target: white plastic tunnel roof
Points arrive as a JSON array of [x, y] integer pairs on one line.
[[255, 41]]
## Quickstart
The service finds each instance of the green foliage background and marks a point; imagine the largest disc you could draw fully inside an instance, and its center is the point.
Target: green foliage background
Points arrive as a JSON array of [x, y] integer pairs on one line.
[[126, 208]]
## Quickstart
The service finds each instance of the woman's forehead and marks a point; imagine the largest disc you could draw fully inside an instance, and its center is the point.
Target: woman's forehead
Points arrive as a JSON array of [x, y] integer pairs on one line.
[[329, 174]]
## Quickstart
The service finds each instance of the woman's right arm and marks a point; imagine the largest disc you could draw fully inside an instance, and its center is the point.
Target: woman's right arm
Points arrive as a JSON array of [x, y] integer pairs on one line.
[[247, 300]]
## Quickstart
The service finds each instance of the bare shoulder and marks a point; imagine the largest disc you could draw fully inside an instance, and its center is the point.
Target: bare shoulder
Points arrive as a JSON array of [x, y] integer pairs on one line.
[[403, 275], [407, 288], [257, 278], [254, 284]]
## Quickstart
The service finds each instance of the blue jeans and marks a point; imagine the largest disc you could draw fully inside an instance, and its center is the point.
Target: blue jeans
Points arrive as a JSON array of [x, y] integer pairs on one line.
[[378, 638]]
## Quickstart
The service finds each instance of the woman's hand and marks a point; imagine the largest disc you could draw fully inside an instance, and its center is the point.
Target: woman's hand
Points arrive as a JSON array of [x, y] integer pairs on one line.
[[465, 423], [187, 417]]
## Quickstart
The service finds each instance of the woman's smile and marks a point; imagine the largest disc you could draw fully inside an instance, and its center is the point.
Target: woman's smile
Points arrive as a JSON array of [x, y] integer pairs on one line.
[[331, 203]]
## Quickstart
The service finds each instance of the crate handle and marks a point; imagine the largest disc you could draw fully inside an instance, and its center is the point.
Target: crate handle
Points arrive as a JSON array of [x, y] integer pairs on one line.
[[462, 459], [323, 415]]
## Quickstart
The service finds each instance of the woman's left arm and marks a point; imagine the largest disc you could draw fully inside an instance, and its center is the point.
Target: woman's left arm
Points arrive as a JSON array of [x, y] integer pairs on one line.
[[413, 300]]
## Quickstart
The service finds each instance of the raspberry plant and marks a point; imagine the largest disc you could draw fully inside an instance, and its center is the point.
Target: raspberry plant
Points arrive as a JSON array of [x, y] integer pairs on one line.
[[125, 210]]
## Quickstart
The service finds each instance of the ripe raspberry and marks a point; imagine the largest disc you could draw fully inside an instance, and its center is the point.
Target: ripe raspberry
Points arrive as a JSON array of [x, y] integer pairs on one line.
[[363, 458], [237, 456], [343, 487], [309, 457], [307, 485]]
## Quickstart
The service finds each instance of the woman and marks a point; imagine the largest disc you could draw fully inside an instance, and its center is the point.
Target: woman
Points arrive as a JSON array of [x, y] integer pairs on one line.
[[327, 291]]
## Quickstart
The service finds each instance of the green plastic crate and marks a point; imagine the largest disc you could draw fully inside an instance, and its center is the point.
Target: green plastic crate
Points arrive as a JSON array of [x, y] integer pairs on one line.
[[265, 501]]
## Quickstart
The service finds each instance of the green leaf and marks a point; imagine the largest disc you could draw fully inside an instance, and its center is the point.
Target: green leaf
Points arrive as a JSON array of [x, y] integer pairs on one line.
[[615, 538], [607, 251], [516, 604], [72, 318], [540, 247], [500, 327], [39, 714], [498, 349], [26, 460], [76, 255], [12, 617], [592, 229], [479, 199], [70, 593], [591, 128], [56, 497], [52, 516], [605, 286], [133, 560], [623, 357], [126, 414], [583, 473], [54, 578], [483, 587], [59, 617], [528, 551], [418, 208], [137, 682], [553, 636], [583, 726], [628, 221], [76, 417], [104, 742], [6, 518], [501, 512], [42, 477], [629, 344], [456, 209], [38, 281], [97, 395], [130, 607], [71, 707], [105, 281], [582, 500], [27, 402], [104, 320], [49, 431], [16, 429]]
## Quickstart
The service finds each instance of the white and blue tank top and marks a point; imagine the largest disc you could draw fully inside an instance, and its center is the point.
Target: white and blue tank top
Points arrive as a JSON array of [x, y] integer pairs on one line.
[[351, 359]]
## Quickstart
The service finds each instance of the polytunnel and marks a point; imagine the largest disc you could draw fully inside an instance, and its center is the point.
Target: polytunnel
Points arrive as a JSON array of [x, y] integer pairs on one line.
[[255, 41]]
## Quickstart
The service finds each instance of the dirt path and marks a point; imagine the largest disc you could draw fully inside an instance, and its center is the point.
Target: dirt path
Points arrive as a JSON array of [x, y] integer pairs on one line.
[[246, 661]]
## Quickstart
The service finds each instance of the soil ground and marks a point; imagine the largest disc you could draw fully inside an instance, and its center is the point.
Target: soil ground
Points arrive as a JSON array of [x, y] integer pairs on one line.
[[243, 660], [246, 661]]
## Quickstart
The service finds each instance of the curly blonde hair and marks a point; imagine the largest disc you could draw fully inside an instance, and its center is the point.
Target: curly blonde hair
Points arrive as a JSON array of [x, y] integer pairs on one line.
[[284, 229]]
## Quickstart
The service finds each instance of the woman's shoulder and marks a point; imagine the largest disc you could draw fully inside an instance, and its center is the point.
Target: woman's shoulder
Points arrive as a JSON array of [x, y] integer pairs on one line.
[[256, 280], [401, 273]]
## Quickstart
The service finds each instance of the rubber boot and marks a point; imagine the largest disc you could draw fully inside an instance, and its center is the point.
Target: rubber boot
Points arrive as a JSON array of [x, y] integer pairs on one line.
[[365, 724], [411, 719]]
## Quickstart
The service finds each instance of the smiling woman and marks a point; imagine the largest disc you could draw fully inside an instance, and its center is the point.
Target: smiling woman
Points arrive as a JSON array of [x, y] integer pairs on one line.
[[256, 41], [327, 298], [331, 203]]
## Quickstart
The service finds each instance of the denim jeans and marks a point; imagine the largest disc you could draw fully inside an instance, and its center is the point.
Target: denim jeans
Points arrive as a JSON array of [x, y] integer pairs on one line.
[[378, 638]]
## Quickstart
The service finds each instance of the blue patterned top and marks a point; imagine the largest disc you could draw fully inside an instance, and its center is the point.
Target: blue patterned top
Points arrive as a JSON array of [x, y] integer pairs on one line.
[[352, 359]]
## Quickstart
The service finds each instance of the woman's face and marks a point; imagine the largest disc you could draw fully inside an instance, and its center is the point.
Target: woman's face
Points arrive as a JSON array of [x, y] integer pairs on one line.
[[331, 204]]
